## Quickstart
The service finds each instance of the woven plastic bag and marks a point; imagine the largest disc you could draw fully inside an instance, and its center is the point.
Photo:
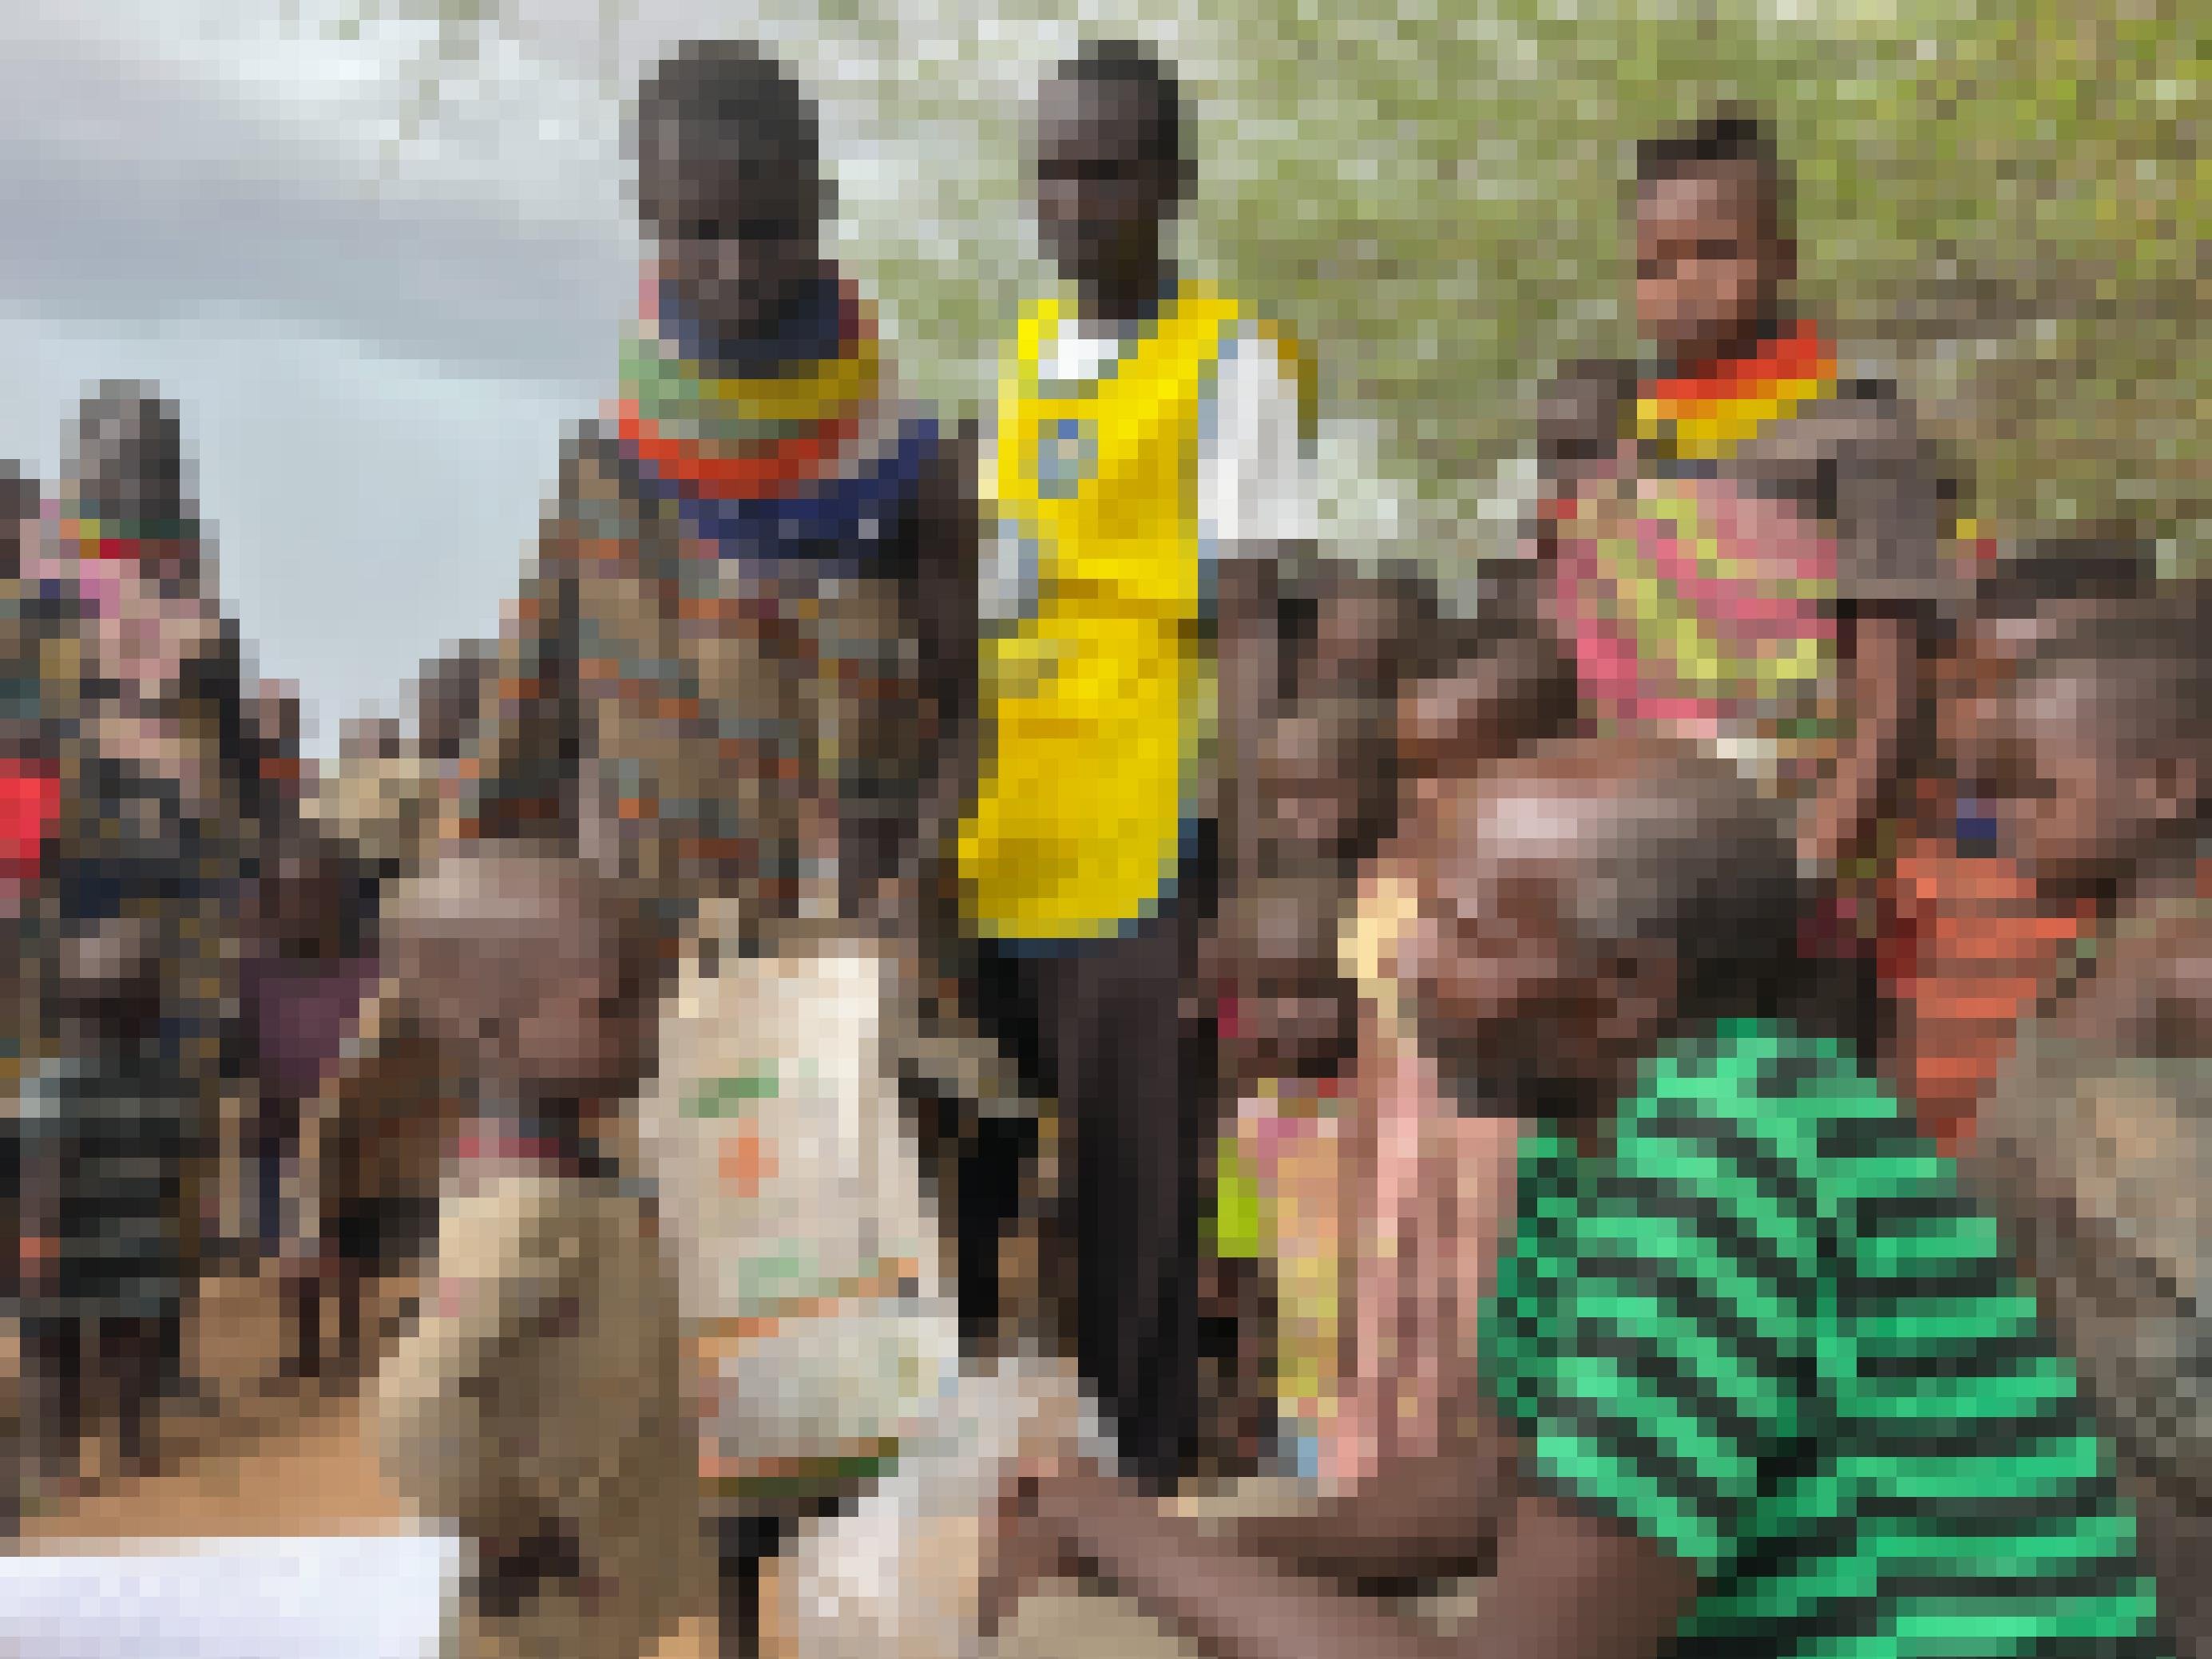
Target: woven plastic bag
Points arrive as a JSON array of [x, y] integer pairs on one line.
[[899, 1576], [791, 1200]]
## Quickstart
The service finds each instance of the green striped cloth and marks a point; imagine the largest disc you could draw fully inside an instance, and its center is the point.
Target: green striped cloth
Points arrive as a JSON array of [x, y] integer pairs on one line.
[[1766, 1329]]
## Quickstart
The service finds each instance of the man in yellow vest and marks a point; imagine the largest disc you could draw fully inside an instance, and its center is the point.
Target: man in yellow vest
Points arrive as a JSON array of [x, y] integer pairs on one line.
[[1148, 472]]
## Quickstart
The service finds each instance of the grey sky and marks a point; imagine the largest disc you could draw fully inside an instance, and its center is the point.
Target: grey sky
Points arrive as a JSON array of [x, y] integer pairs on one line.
[[374, 360]]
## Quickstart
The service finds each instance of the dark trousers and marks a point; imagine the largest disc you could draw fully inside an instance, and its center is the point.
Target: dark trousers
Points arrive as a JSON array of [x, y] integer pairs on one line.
[[1100, 1027]]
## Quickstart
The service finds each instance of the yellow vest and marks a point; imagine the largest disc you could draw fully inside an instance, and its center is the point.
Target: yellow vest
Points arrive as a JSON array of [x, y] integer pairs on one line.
[[1096, 701]]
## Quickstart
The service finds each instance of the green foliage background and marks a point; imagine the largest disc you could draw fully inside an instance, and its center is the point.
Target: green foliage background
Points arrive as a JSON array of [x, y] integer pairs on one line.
[[2003, 205]]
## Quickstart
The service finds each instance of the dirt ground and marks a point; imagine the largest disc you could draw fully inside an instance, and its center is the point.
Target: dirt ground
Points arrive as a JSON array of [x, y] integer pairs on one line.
[[280, 1458], [286, 1460]]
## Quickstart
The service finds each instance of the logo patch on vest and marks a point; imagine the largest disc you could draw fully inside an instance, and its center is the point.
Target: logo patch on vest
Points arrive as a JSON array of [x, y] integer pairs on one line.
[[1067, 456]]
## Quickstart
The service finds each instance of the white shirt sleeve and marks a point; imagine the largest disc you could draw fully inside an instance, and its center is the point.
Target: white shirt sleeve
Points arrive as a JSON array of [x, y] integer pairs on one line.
[[1255, 470]]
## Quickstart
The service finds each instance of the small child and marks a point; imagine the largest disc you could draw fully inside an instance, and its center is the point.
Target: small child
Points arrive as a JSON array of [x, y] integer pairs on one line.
[[309, 972], [1973, 938], [107, 1129], [2088, 759], [1330, 781], [539, 1405]]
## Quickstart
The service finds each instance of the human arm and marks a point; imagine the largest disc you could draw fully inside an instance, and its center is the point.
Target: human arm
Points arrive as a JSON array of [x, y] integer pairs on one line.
[[1260, 516], [1223, 1601], [1891, 504], [1515, 682], [948, 620], [1568, 1585], [1883, 670], [517, 773], [1410, 1519]]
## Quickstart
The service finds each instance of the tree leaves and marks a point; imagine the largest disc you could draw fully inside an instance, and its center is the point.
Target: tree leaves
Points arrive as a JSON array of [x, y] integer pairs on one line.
[[2005, 202]]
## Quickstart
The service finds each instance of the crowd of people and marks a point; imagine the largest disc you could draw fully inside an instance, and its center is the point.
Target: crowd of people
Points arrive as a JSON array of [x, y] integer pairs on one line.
[[958, 1008]]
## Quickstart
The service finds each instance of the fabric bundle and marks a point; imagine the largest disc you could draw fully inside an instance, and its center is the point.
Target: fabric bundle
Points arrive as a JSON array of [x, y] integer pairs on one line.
[[1699, 604], [30, 810]]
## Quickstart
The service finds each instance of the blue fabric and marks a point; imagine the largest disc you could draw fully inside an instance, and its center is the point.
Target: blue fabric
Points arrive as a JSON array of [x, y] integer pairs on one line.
[[1977, 829], [823, 524]]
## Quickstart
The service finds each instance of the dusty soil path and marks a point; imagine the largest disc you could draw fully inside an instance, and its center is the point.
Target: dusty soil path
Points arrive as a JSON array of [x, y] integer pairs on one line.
[[280, 1460]]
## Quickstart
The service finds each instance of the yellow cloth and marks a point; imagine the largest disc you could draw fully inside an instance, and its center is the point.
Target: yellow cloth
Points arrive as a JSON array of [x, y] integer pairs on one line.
[[1387, 910], [1099, 697]]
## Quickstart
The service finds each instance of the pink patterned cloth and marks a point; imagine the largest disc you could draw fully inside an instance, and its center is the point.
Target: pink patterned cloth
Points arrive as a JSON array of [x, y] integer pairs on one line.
[[1429, 1196], [1698, 606]]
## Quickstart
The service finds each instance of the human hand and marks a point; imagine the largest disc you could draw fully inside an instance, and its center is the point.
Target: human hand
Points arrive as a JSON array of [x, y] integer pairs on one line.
[[1023, 1548]]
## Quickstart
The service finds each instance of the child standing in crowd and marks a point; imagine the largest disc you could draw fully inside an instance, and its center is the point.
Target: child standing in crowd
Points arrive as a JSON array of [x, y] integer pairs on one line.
[[1722, 1393], [2087, 754], [539, 1403], [302, 986], [112, 1118], [1742, 544], [1327, 795], [1737, 544], [1973, 940], [1147, 471]]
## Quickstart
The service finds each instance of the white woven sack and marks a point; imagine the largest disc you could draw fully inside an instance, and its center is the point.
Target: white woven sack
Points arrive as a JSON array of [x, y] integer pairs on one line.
[[792, 1201]]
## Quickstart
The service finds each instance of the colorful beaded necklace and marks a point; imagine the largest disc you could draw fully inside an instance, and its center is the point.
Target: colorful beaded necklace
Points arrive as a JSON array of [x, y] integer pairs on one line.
[[804, 448]]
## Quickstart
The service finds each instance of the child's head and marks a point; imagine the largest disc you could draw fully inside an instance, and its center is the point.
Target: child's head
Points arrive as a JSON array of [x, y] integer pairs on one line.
[[2044, 586], [314, 896], [730, 184], [1368, 632], [1714, 248], [127, 469], [1327, 776], [104, 978], [1113, 165], [1579, 424], [1579, 904], [1296, 1013], [448, 699], [1449, 725], [2084, 744], [539, 973]]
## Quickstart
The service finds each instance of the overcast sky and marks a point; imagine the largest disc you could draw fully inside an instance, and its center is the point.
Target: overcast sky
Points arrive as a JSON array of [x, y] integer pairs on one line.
[[373, 355]]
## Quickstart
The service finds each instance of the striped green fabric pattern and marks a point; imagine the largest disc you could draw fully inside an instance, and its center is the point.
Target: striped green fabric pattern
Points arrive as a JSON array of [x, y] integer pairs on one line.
[[1767, 1328]]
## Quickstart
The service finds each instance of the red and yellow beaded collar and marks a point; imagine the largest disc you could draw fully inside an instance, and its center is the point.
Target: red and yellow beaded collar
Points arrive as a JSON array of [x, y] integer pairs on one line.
[[1702, 416], [147, 542]]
